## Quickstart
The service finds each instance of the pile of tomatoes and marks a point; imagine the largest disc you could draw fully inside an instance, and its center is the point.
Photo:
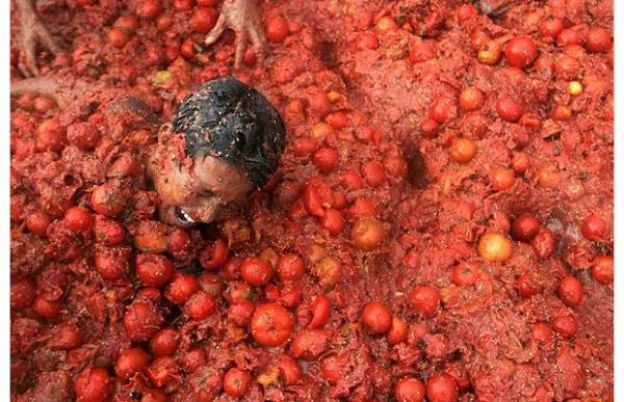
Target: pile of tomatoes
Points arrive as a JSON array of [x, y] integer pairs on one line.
[[452, 244]]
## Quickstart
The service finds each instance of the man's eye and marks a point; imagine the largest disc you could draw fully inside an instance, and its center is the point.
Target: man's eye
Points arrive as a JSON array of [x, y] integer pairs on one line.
[[183, 216]]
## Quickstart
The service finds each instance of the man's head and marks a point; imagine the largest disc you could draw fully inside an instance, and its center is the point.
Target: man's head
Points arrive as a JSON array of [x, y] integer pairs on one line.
[[224, 142]]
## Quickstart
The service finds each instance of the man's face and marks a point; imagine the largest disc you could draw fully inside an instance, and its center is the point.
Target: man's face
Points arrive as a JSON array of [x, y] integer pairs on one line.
[[196, 190]]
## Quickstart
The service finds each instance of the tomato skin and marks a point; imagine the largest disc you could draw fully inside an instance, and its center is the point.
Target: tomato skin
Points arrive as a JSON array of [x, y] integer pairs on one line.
[[194, 359], [544, 243], [255, 271], [309, 344], [149, 9], [321, 309], [526, 286], [421, 52], [565, 325], [131, 361], [78, 219], [398, 332], [442, 388], [289, 368], [236, 382], [92, 385], [107, 200], [551, 27], [570, 291], [271, 324], [465, 274], [541, 332], [502, 179], [409, 389], [426, 300], [213, 256]]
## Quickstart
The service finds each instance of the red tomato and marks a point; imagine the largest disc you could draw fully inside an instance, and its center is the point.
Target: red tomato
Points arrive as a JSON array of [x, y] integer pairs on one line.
[[182, 5], [112, 262], [165, 342], [325, 159], [213, 256], [333, 221], [37, 222], [398, 331], [520, 52], [443, 109], [333, 368], [309, 344], [255, 271], [565, 325], [362, 207], [107, 199], [377, 317], [569, 36], [602, 270], [426, 300], [570, 291], [78, 219], [236, 382], [194, 359], [544, 243], [118, 37], [386, 24], [525, 228], [271, 324], [373, 173], [465, 274], [65, 336], [409, 389], [153, 269], [551, 27], [23, 293], [200, 306], [92, 385], [181, 288], [130, 362], [526, 286], [317, 196], [321, 308], [240, 313], [149, 9], [304, 146], [142, 320], [351, 180], [489, 53], [367, 41], [46, 308], [598, 40], [290, 370], [276, 29], [471, 99], [541, 332], [421, 52], [290, 267], [442, 388], [593, 227], [203, 19], [508, 109]]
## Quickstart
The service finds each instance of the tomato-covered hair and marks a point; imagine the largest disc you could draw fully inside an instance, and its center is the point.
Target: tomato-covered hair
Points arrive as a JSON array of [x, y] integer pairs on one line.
[[227, 119]]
